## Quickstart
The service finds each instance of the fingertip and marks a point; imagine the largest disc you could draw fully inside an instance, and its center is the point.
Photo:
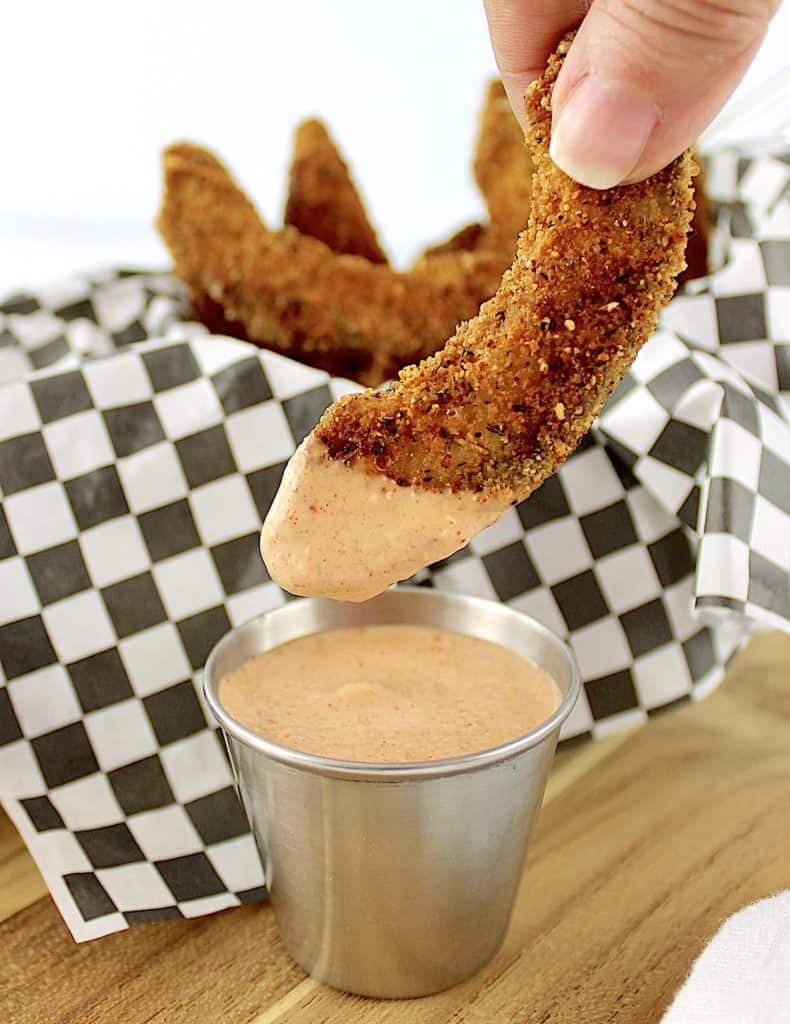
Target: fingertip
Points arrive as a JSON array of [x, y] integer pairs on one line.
[[516, 89], [599, 135]]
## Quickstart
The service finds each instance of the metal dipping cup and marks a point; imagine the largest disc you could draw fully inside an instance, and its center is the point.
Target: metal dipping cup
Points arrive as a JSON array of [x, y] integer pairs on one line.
[[393, 880]]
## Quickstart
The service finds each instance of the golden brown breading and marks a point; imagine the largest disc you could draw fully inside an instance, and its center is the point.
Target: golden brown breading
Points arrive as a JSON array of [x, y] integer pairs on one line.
[[323, 201], [291, 293], [515, 389]]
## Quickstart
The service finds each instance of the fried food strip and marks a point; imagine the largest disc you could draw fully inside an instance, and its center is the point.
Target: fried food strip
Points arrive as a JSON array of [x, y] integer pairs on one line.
[[502, 165], [427, 462], [234, 212], [323, 201], [291, 293], [503, 172]]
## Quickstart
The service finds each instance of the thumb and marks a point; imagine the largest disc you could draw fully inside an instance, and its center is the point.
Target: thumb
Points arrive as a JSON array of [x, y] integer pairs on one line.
[[644, 78]]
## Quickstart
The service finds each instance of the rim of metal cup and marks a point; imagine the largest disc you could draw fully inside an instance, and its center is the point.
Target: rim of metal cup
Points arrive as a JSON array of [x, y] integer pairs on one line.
[[374, 771]]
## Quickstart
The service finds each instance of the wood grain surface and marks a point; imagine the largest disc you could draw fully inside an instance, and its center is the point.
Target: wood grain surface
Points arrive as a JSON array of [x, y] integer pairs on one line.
[[646, 843]]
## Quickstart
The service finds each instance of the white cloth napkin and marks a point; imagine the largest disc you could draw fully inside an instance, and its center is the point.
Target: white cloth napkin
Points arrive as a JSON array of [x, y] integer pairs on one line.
[[743, 975]]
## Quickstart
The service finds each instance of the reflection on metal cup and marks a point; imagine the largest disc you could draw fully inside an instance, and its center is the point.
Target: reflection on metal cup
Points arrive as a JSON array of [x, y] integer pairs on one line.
[[393, 880]]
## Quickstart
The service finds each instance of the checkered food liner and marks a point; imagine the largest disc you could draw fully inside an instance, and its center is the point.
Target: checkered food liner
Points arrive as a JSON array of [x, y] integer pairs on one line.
[[134, 476]]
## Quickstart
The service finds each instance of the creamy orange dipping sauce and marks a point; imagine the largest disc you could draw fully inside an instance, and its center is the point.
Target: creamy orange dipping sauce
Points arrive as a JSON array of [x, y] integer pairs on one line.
[[337, 531], [389, 694]]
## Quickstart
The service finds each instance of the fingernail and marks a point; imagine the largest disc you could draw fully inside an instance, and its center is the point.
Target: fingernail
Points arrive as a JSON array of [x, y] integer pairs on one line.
[[601, 132]]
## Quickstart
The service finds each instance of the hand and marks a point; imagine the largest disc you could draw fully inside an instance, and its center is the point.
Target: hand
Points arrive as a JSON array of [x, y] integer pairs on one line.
[[642, 80]]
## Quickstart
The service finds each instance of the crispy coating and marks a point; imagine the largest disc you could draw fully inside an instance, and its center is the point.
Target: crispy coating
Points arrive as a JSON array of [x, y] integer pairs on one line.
[[291, 293], [323, 201], [515, 389]]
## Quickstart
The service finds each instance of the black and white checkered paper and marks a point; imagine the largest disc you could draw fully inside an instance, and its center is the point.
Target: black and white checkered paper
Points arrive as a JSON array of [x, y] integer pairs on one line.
[[134, 476]]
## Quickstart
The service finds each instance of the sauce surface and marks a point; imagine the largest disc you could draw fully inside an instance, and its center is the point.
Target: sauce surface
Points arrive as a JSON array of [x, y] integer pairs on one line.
[[389, 694], [338, 531]]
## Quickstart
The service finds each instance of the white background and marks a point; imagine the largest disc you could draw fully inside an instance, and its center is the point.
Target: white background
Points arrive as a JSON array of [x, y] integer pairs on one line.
[[91, 91]]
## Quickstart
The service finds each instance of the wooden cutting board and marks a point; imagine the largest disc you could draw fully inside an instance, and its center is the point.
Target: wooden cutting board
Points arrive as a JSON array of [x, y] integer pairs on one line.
[[647, 842]]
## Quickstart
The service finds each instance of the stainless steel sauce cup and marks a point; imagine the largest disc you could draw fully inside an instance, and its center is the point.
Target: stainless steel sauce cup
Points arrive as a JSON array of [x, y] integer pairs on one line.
[[393, 880]]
